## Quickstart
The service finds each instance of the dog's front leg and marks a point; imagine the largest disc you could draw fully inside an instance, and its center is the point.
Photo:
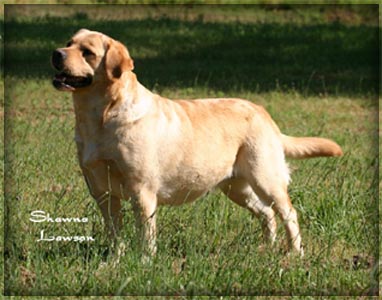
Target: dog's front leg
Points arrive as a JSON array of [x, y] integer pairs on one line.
[[111, 211], [144, 206]]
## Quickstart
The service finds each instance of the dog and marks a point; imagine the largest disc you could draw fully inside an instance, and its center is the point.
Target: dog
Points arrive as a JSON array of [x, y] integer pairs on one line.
[[136, 145]]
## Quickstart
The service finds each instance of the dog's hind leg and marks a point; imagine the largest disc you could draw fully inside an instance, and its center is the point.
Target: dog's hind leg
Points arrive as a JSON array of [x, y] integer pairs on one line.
[[283, 206], [263, 164], [240, 192]]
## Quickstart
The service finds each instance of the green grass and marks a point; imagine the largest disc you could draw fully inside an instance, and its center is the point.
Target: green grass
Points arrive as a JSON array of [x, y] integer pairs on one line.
[[316, 76]]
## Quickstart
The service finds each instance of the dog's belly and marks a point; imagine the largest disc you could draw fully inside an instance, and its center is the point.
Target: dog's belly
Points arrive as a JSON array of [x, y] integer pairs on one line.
[[179, 197], [189, 186], [104, 177]]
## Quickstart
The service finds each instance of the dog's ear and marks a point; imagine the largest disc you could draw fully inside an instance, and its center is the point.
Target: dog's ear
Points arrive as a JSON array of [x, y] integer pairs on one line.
[[117, 60]]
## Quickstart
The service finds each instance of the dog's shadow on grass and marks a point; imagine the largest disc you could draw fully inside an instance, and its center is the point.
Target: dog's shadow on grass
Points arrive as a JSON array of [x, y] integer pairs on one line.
[[228, 57]]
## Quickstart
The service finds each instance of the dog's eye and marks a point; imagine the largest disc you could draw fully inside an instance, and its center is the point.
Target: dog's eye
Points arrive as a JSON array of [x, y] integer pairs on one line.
[[69, 44], [87, 52]]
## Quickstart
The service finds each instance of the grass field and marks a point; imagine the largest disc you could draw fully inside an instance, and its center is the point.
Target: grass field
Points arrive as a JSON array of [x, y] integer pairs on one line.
[[315, 69]]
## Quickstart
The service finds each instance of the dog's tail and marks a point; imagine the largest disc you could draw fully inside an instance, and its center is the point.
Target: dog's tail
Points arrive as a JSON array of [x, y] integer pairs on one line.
[[305, 147]]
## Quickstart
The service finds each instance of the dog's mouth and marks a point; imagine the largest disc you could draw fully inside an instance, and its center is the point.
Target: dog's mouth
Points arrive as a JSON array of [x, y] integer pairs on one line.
[[66, 82]]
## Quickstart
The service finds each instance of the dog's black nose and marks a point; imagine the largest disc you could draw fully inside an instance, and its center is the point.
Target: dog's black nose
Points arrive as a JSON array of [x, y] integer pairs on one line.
[[58, 58]]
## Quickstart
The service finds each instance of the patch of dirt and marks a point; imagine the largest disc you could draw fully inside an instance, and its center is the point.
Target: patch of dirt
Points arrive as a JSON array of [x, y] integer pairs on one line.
[[27, 276]]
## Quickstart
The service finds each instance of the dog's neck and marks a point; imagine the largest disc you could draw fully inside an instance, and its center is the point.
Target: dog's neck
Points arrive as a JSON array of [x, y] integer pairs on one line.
[[125, 100], [129, 100]]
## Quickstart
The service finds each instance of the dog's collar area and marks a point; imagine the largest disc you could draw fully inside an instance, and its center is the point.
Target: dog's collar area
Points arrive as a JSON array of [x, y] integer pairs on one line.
[[66, 82]]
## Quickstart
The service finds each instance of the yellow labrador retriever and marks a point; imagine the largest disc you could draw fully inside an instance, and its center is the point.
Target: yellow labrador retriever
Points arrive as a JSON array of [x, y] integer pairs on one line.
[[133, 144]]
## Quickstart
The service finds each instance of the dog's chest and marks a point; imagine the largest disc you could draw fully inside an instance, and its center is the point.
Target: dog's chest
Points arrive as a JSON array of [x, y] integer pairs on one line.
[[92, 149], [94, 142], [90, 153], [98, 160]]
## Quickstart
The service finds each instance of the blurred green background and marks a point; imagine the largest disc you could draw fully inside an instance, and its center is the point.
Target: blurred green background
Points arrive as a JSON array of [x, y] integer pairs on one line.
[[319, 48]]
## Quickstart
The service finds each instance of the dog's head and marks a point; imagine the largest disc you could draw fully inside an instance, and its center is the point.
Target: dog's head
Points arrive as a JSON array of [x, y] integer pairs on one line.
[[90, 58]]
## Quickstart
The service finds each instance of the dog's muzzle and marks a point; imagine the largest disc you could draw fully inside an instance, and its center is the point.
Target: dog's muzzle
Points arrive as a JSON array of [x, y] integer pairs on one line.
[[58, 58], [65, 81]]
